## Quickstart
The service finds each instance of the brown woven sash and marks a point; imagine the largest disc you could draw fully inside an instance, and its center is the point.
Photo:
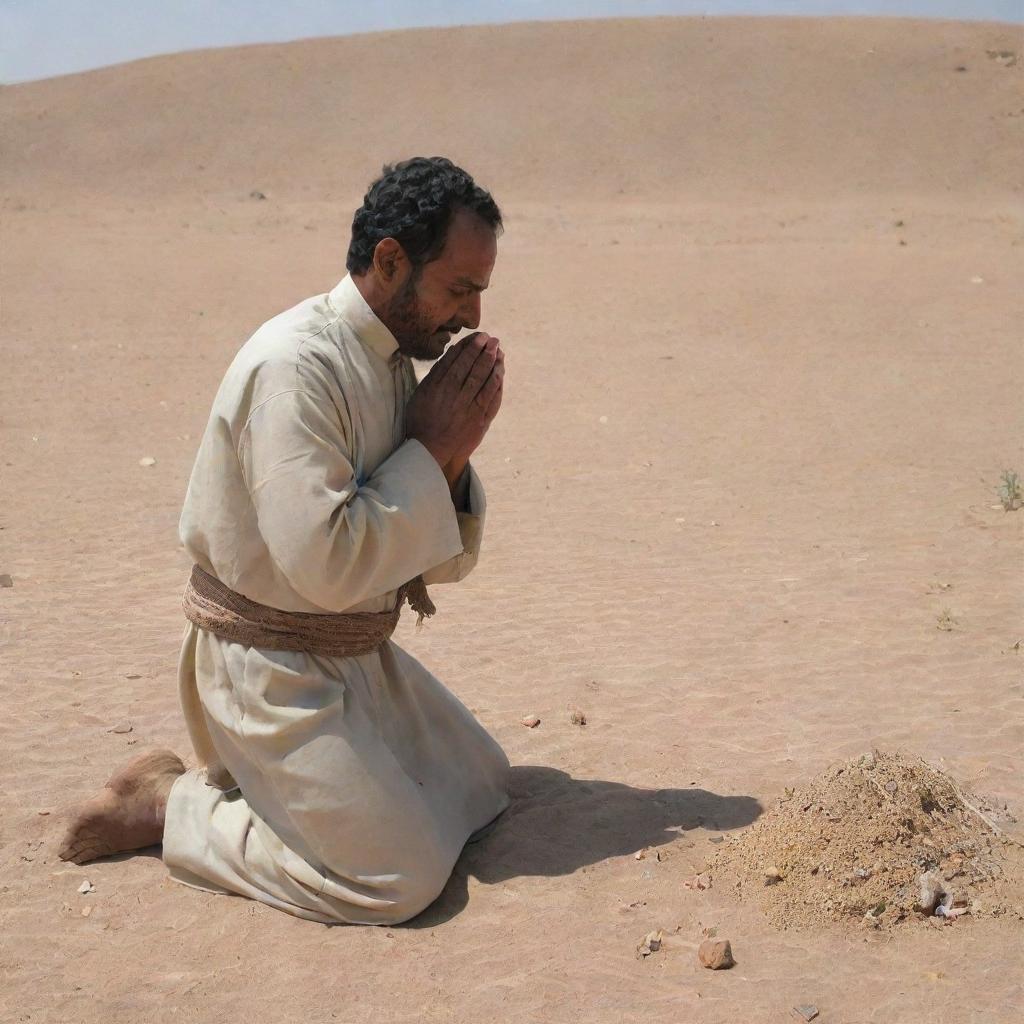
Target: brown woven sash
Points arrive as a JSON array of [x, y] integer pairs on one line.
[[217, 608]]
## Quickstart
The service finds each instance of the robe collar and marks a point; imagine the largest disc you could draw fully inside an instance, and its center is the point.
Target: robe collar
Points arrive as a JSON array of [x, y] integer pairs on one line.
[[347, 301]]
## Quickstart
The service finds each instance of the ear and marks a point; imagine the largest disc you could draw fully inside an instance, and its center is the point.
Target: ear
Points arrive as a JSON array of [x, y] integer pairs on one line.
[[389, 260]]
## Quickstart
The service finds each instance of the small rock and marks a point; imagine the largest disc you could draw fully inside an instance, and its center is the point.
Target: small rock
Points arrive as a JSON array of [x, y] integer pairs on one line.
[[5, 580], [86, 887], [121, 728], [147, 460], [602, 419], [43, 813], [133, 675], [931, 891], [86, 911], [977, 280], [698, 882], [578, 718], [257, 194], [715, 954], [530, 721], [772, 875], [651, 944], [805, 1011]]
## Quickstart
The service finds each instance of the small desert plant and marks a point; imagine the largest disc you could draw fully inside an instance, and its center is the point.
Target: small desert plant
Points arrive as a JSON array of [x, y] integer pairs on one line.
[[1010, 494]]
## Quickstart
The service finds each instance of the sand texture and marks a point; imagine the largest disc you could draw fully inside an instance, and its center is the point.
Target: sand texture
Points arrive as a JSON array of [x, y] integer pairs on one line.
[[760, 295]]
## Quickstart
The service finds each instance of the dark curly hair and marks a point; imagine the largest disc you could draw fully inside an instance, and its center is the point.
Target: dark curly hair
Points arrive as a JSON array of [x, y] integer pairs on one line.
[[413, 202]]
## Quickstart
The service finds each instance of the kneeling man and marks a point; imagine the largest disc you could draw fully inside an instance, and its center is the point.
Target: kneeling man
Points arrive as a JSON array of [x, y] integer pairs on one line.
[[339, 779]]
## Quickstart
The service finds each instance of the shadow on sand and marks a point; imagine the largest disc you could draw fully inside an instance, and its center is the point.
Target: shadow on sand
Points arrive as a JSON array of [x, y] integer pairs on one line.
[[557, 824]]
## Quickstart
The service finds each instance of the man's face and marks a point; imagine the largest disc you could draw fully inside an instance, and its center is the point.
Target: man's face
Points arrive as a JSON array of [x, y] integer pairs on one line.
[[432, 306]]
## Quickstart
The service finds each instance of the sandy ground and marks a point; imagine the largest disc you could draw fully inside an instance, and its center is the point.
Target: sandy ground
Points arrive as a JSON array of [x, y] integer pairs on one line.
[[748, 459]]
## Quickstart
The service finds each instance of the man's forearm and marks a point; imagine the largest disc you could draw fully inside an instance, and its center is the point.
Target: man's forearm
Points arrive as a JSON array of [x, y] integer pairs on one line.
[[456, 472]]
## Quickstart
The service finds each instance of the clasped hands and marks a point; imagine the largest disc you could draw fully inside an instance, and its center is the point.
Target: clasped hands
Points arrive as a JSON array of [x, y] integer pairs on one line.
[[454, 405]]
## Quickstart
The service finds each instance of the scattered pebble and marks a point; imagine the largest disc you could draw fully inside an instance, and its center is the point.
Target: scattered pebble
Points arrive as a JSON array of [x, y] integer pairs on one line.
[[530, 721], [86, 887], [43, 813], [977, 280], [806, 1011], [602, 419], [772, 875], [121, 728], [257, 194], [699, 882], [642, 854], [578, 718], [86, 911], [133, 675], [5, 580], [931, 892], [147, 460], [715, 954], [651, 944], [1005, 57]]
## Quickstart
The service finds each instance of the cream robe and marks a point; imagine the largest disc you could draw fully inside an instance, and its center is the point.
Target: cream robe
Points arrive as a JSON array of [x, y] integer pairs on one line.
[[359, 779]]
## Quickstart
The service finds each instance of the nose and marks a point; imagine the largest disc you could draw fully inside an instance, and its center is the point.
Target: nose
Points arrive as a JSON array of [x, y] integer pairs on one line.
[[470, 312]]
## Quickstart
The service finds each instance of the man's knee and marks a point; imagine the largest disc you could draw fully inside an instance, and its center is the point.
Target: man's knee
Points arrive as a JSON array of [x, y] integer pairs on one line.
[[406, 896], [417, 893]]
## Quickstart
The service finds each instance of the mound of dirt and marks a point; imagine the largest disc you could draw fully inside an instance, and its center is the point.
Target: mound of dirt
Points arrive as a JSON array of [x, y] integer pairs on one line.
[[880, 840]]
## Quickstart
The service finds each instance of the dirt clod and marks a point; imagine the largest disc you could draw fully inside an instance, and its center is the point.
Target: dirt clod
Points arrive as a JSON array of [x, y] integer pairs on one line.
[[715, 954]]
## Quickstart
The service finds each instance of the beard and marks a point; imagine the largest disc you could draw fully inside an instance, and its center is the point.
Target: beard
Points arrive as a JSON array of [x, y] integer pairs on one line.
[[417, 334]]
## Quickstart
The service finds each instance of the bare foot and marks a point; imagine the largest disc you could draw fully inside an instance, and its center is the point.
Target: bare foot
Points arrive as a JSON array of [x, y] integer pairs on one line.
[[128, 813]]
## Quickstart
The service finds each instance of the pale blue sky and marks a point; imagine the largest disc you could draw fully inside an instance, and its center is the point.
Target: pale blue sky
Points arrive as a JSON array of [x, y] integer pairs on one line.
[[40, 38]]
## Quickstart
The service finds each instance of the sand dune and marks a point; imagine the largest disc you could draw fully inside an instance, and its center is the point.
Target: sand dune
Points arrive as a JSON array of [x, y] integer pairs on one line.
[[760, 295], [663, 109]]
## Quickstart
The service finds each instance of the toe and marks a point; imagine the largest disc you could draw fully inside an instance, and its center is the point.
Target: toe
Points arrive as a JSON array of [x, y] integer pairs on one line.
[[84, 852]]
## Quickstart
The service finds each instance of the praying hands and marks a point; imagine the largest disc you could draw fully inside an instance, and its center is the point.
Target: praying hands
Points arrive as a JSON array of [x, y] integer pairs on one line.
[[455, 404]]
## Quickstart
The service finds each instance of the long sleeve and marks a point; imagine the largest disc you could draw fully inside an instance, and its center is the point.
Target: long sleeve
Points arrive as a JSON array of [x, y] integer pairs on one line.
[[470, 506], [340, 541]]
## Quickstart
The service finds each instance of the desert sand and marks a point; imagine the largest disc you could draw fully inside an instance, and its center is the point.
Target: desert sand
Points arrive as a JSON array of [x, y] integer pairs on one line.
[[760, 295]]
